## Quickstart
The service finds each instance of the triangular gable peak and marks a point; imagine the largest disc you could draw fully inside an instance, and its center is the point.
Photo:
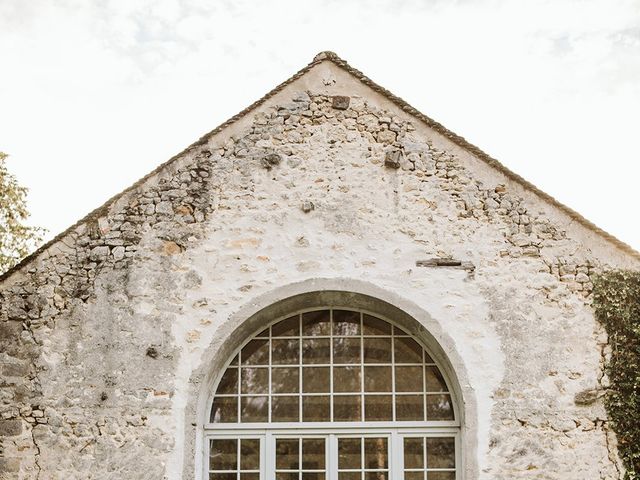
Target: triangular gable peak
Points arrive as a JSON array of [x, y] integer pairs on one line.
[[331, 76]]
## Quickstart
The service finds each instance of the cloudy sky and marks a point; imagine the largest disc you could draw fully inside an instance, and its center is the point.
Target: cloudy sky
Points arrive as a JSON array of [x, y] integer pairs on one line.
[[96, 93]]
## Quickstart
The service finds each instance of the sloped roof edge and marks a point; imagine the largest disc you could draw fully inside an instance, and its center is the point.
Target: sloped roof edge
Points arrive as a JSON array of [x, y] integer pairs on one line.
[[463, 143], [333, 57]]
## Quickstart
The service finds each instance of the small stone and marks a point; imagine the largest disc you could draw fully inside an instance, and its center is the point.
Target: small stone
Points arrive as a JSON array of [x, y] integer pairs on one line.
[[307, 206], [118, 253], [171, 248], [164, 208], [386, 136], [10, 428], [392, 158], [301, 97], [340, 102], [99, 253], [270, 160], [582, 278], [103, 225], [587, 397], [152, 352], [491, 204]]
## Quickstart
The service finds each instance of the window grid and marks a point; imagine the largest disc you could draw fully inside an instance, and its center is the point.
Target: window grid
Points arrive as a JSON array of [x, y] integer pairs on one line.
[[239, 472], [444, 471], [300, 469], [303, 367]]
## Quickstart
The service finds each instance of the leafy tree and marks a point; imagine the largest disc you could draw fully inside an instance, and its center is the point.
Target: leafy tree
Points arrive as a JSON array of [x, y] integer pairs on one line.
[[16, 238]]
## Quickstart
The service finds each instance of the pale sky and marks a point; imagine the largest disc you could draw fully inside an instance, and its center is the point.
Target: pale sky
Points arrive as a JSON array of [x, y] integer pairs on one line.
[[94, 94]]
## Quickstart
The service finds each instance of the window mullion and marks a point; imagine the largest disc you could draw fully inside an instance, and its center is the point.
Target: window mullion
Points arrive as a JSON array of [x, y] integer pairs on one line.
[[332, 457], [269, 464], [396, 456]]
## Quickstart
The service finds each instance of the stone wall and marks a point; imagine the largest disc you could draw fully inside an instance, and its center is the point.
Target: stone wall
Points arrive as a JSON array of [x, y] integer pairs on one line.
[[101, 334]]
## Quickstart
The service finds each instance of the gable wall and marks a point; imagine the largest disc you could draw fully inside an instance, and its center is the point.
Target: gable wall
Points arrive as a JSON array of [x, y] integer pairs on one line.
[[105, 336]]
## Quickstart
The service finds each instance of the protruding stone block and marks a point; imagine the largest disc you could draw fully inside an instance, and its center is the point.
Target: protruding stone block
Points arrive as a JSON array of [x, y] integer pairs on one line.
[[340, 102]]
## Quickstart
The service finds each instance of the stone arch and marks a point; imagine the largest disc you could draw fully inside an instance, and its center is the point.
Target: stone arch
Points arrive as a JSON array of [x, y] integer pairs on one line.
[[323, 292]]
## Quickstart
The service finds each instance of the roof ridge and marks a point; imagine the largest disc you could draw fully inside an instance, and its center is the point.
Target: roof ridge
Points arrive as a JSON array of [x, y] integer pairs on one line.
[[405, 106]]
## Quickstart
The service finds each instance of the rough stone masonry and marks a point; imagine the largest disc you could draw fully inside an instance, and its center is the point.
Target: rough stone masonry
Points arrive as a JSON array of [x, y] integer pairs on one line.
[[105, 333]]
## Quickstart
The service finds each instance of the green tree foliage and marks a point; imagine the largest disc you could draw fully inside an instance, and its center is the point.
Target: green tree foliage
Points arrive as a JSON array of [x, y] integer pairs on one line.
[[16, 238], [617, 306]]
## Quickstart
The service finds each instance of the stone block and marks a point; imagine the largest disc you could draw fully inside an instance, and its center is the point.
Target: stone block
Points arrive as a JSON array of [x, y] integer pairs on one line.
[[392, 158], [10, 427], [340, 102]]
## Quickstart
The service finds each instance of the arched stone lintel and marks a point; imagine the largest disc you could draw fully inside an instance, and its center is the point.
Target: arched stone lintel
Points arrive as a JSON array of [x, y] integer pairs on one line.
[[331, 292]]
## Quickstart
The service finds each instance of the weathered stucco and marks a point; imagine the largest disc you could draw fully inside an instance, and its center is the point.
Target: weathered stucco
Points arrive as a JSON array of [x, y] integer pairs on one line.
[[111, 338]]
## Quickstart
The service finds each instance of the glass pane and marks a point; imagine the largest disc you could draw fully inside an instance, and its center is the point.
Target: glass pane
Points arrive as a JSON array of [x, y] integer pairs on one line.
[[316, 323], [313, 454], [256, 352], [349, 453], [223, 454], [377, 407], [377, 350], [229, 382], [287, 453], [414, 452], [286, 476], [409, 379], [316, 350], [346, 350], [377, 379], [315, 409], [312, 476], [250, 476], [347, 379], [349, 476], [407, 350], [347, 408], [285, 409], [375, 476], [224, 410], [346, 322], [316, 379], [254, 380], [285, 380], [409, 407], [375, 326], [234, 362], [222, 476], [285, 352], [254, 409], [439, 407], [249, 454], [441, 452], [441, 475], [289, 327], [414, 475], [375, 453], [435, 381]]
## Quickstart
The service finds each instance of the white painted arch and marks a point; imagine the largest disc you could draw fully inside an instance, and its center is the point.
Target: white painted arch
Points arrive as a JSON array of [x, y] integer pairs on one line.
[[323, 292]]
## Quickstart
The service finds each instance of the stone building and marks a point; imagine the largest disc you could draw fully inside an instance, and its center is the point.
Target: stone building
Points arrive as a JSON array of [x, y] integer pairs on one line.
[[330, 285]]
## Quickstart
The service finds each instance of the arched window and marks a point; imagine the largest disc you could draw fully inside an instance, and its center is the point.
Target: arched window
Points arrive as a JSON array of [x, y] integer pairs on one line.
[[332, 394]]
